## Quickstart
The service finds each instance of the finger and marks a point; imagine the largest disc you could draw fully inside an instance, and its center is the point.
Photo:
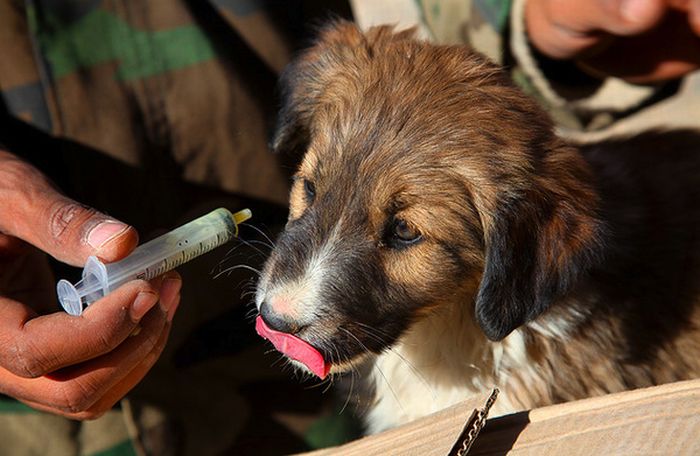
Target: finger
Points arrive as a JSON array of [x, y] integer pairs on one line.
[[84, 384], [137, 374], [694, 16], [115, 394], [563, 29], [118, 391], [88, 390], [33, 210], [34, 346]]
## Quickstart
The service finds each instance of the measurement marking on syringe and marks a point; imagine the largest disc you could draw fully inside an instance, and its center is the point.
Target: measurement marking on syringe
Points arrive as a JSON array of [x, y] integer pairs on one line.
[[182, 257]]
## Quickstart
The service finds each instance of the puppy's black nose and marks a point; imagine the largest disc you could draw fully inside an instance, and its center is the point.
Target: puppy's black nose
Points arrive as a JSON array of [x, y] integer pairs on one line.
[[276, 321]]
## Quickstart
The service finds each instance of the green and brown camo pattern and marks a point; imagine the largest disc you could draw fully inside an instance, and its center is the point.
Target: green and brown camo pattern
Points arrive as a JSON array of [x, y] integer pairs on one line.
[[128, 78]]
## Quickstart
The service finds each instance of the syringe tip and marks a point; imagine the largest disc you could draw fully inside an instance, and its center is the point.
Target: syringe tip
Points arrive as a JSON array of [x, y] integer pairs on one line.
[[241, 216]]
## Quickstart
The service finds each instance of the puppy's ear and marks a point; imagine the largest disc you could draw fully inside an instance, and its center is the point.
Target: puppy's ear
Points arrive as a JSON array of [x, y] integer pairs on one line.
[[304, 85], [291, 135], [304, 82], [540, 242]]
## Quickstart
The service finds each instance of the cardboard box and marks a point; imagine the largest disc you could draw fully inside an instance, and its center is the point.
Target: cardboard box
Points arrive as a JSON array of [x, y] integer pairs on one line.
[[662, 420]]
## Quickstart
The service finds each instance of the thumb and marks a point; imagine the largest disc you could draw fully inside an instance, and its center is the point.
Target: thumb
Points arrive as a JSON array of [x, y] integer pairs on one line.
[[632, 17], [33, 210]]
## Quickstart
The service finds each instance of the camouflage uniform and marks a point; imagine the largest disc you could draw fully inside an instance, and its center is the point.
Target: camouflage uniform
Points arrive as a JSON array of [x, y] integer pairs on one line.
[[135, 80], [156, 111]]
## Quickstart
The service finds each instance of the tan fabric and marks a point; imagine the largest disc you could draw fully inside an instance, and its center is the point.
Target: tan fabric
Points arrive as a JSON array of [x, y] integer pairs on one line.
[[440, 21]]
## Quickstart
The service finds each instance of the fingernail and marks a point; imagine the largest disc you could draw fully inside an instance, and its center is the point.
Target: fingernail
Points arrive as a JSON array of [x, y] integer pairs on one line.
[[142, 304], [169, 291], [105, 232]]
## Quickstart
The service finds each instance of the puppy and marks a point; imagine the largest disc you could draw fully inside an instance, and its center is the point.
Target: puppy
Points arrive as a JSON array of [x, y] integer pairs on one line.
[[441, 231]]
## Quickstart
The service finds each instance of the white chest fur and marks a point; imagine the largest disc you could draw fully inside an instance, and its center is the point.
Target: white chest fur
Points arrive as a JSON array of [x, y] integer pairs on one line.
[[443, 360]]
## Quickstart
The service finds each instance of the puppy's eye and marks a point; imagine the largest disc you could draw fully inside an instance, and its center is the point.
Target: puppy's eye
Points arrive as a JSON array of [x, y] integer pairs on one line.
[[403, 234], [309, 190]]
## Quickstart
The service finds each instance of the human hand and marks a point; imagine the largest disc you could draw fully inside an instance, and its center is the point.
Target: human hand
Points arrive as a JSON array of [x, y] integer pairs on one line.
[[641, 41], [78, 367]]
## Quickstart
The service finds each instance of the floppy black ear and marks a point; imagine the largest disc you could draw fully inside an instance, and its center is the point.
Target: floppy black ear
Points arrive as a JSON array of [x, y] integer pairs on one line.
[[539, 246]]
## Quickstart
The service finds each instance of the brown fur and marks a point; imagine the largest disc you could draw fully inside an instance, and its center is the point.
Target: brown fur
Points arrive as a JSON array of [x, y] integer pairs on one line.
[[524, 239]]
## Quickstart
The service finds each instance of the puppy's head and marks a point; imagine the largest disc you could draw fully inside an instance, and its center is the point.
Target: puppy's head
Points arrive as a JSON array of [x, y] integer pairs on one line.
[[427, 181]]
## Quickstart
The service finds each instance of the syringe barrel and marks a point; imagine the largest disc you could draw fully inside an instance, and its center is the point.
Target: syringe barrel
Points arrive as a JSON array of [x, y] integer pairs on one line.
[[174, 248], [152, 259]]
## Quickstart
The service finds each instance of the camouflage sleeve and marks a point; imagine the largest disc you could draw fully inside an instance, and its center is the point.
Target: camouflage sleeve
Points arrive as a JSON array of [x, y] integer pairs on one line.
[[258, 29], [21, 87]]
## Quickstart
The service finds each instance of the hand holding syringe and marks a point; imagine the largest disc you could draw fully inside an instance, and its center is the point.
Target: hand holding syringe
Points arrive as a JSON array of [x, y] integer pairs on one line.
[[151, 259]]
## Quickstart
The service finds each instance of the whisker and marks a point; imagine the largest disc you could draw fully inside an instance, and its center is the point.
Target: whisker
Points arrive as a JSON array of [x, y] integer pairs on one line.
[[247, 294], [373, 329], [252, 246], [352, 386], [373, 336], [386, 380], [261, 232], [241, 283], [231, 251], [316, 385], [329, 385], [238, 266], [259, 242], [279, 360]]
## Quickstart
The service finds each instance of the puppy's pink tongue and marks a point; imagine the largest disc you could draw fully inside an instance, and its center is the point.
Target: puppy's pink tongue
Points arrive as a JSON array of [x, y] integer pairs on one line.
[[295, 348]]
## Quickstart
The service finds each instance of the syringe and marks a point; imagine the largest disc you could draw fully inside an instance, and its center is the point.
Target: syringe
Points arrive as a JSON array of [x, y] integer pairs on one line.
[[151, 259]]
